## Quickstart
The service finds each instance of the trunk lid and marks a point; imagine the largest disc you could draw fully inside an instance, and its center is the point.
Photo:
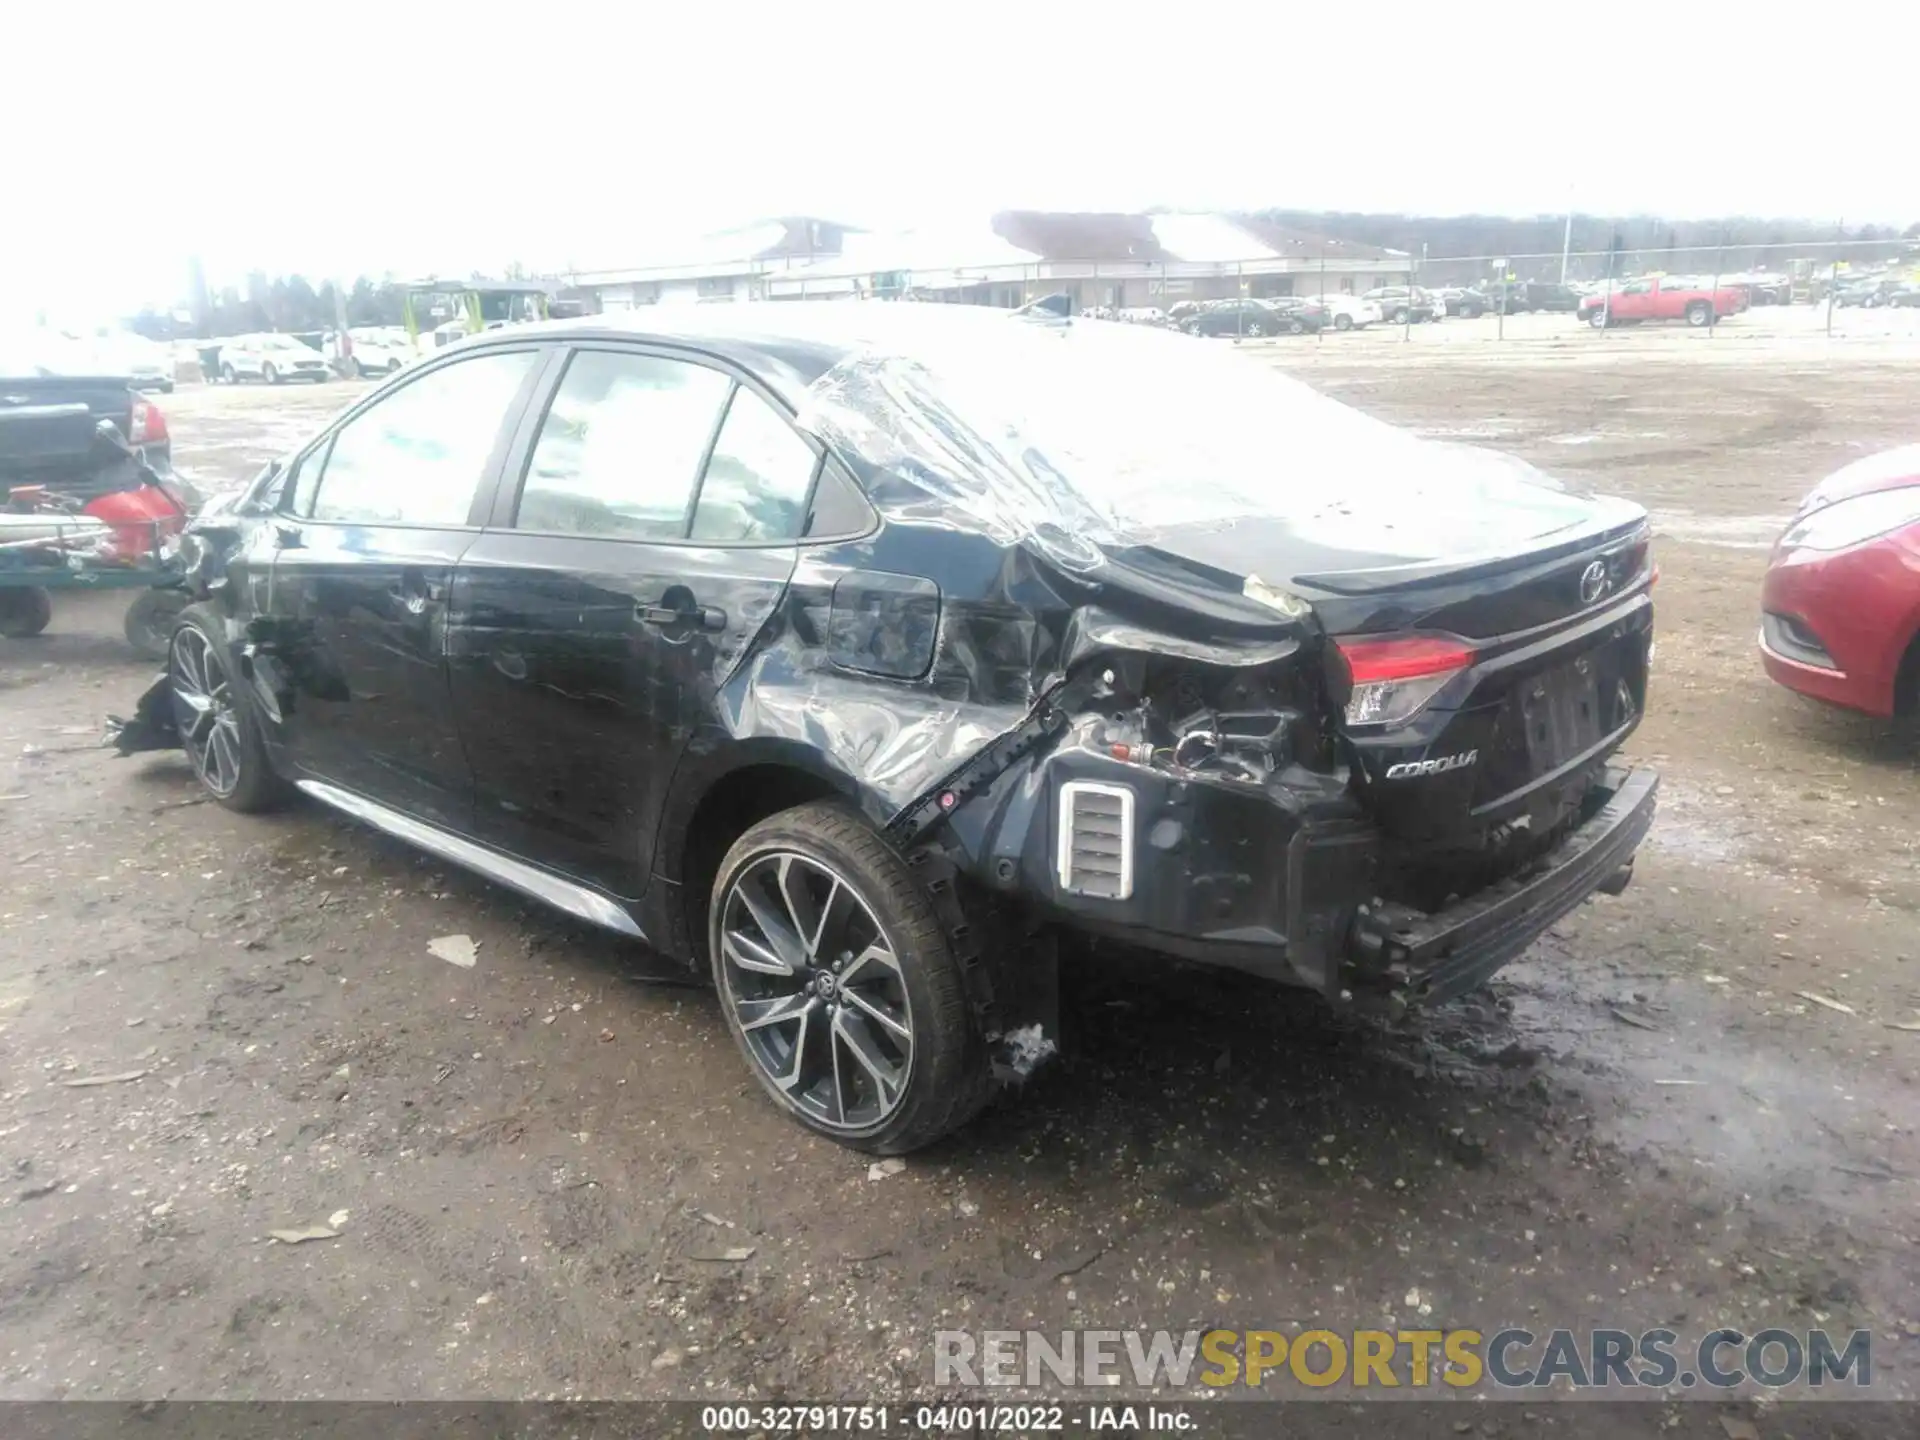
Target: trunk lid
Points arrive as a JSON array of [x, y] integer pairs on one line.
[[1501, 762], [1546, 592], [47, 425]]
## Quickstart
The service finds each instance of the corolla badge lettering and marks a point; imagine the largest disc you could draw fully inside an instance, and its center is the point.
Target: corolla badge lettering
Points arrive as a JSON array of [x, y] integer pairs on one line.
[[1413, 769]]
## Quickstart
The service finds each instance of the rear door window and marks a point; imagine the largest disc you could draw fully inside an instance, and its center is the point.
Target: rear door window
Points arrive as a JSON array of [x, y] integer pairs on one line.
[[621, 448], [756, 483], [417, 455]]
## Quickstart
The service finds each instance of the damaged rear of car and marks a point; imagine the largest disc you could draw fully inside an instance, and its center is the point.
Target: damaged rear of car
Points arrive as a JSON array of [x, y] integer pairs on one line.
[[1060, 626]]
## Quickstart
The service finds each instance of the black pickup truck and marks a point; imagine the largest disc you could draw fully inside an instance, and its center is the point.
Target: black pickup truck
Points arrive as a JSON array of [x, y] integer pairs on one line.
[[52, 400]]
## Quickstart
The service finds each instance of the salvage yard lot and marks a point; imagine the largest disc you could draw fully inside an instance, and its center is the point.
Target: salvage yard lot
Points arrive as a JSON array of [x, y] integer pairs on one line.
[[542, 1158]]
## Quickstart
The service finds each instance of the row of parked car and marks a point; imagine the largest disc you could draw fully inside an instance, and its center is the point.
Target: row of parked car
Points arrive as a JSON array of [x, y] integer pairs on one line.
[[1870, 292], [275, 358], [1258, 316], [1694, 299]]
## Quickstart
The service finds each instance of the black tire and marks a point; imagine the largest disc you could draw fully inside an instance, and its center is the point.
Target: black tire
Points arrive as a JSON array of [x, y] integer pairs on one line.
[[229, 374], [945, 1067], [255, 786], [150, 622], [25, 612], [1598, 319], [1399, 316], [1256, 330], [1296, 327], [1699, 314], [1343, 322], [269, 374]]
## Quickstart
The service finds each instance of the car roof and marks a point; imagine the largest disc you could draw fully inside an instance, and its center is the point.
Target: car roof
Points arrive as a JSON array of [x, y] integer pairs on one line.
[[787, 344]]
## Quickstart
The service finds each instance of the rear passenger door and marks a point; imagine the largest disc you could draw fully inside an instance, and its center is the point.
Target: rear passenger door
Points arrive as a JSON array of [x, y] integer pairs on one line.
[[368, 531], [651, 533]]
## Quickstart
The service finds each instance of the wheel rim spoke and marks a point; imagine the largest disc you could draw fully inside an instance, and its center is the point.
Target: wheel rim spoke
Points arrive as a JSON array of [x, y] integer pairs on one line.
[[225, 743], [797, 1062], [782, 940], [877, 1012], [839, 1082], [780, 1010], [749, 952], [203, 713], [816, 991], [858, 1039], [877, 954]]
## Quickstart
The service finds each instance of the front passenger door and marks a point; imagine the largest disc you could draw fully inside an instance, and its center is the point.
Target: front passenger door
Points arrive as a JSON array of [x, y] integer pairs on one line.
[[369, 533]]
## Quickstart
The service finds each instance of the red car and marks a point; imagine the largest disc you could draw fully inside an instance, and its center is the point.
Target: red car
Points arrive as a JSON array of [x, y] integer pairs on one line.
[[1663, 297], [1840, 607]]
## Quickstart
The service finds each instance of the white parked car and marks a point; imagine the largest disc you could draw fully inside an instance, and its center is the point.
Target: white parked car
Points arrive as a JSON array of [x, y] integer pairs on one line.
[[1349, 312], [373, 351], [272, 358], [147, 363]]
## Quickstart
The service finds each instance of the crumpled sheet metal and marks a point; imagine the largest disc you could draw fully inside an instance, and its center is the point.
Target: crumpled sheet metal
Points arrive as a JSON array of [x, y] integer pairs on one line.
[[895, 737], [995, 661]]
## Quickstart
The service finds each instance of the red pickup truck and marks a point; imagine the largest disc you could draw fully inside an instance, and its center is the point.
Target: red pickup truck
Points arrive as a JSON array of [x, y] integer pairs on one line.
[[1663, 297]]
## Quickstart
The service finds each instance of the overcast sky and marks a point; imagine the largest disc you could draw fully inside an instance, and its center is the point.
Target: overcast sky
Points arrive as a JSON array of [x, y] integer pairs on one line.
[[412, 136]]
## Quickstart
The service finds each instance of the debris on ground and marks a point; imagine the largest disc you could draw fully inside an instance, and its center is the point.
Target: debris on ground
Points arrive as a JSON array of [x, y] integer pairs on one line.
[[881, 1169], [667, 1359], [88, 1080], [455, 950], [1738, 1427], [304, 1234], [713, 1219], [1634, 1020], [732, 1255], [1023, 1051], [1830, 1004]]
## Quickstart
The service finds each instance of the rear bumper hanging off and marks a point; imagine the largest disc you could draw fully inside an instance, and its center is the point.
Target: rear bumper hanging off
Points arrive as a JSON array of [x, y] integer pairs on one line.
[[1432, 957], [1271, 879]]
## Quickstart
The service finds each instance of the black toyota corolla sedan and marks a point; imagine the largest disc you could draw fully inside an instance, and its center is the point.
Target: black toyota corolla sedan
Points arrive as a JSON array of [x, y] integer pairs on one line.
[[855, 651]]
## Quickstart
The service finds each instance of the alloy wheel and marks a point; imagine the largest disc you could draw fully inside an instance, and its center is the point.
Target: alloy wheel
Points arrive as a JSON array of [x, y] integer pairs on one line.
[[203, 711], [815, 986]]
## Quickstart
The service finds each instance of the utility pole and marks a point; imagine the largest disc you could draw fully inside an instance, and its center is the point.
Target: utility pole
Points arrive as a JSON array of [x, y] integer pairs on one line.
[[1833, 276]]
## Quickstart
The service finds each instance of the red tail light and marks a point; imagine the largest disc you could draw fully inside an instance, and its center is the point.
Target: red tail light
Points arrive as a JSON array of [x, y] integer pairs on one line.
[[1395, 676], [149, 423], [1403, 657]]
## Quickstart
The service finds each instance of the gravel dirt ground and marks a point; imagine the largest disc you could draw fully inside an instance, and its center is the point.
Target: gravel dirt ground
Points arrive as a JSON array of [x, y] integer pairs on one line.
[[534, 1165]]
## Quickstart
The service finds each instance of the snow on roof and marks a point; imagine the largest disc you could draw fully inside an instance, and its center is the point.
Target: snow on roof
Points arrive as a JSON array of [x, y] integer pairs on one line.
[[1209, 239], [926, 254]]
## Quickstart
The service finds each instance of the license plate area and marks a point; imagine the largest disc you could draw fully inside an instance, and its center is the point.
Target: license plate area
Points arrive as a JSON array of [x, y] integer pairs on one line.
[[1552, 717], [1561, 713]]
